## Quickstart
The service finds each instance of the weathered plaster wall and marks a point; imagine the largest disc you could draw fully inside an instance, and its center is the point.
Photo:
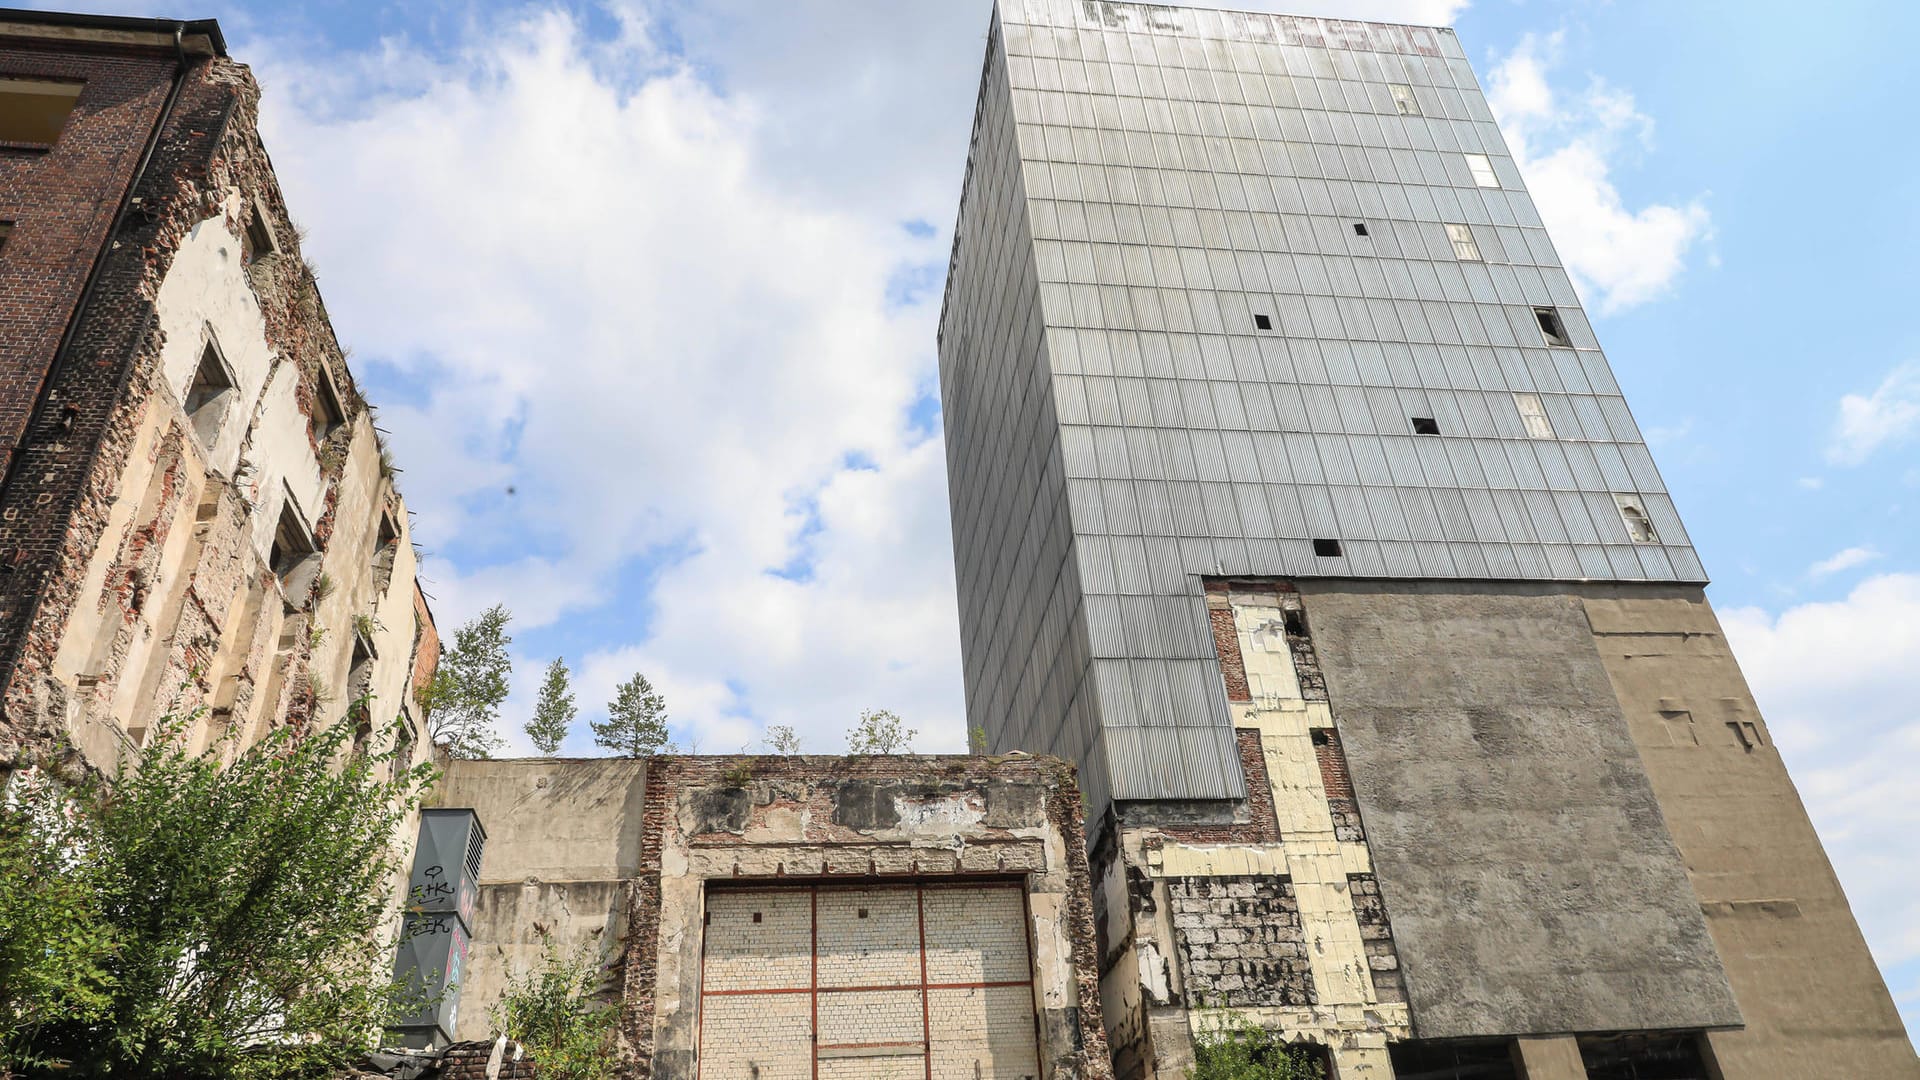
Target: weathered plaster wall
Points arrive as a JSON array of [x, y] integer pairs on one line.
[[852, 820], [158, 596], [1812, 999], [563, 839], [1518, 844]]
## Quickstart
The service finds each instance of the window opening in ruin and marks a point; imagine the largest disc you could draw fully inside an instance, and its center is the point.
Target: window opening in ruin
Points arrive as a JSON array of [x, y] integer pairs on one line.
[[1295, 622], [258, 240], [294, 558], [1482, 170], [6, 230], [1464, 249], [1403, 100], [1359, 228], [34, 111], [209, 395], [1326, 549], [1533, 414], [1551, 327], [1661, 1056], [1481, 1060], [1634, 517], [327, 413], [386, 549], [1262, 322], [1425, 425]]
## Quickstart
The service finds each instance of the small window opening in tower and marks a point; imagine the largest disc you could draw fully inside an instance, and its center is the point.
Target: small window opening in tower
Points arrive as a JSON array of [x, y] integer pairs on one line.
[[209, 395], [1295, 622], [1359, 228], [327, 413], [1425, 425], [1403, 100], [6, 230], [1551, 327], [1533, 414], [1634, 516], [1262, 322], [1464, 248], [1326, 549], [1482, 169], [33, 112]]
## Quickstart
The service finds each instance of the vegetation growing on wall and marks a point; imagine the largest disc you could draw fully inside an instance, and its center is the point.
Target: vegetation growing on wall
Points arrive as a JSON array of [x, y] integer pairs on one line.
[[558, 1014], [1237, 1049], [189, 919], [880, 732]]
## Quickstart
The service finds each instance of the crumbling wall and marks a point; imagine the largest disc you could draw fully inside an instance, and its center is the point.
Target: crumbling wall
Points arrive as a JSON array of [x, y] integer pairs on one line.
[[155, 594]]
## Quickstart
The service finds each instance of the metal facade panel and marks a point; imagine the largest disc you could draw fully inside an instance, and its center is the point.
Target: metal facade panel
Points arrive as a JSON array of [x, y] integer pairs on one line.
[[1141, 196]]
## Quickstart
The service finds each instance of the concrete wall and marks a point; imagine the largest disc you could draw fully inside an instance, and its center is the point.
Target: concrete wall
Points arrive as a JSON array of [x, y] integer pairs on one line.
[[1533, 885], [1813, 1002], [563, 839]]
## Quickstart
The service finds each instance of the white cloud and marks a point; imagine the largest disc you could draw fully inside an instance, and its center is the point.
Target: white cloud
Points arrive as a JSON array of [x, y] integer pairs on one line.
[[1837, 681], [615, 305], [1887, 417], [1567, 149], [1842, 560]]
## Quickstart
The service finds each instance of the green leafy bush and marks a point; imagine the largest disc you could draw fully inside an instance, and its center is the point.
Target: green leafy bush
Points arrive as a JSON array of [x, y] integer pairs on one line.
[[1237, 1049], [556, 1012], [224, 921]]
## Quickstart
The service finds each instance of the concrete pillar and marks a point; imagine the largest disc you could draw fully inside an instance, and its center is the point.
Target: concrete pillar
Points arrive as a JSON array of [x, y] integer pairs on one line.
[[1555, 1057]]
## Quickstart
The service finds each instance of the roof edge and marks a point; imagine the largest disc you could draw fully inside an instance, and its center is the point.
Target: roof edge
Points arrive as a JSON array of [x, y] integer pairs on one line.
[[200, 37]]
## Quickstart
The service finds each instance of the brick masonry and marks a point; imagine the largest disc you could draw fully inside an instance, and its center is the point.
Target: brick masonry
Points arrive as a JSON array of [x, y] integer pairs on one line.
[[1241, 941], [1377, 931]]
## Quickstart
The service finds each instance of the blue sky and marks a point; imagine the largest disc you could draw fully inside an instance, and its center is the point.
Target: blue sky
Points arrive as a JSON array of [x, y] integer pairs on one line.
[[647, 293]]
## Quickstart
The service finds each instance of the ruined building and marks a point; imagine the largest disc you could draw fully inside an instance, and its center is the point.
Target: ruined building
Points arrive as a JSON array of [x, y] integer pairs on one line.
[[198, 516], [1294, 500]]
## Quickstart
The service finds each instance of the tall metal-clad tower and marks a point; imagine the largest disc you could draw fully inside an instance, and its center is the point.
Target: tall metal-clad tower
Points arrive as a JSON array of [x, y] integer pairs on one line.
[[1295, 500]]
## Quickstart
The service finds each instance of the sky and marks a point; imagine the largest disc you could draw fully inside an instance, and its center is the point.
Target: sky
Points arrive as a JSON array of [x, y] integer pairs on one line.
[[646, 292]]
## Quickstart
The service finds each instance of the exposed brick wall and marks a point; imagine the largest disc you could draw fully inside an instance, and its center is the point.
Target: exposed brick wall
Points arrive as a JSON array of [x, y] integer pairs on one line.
[[1226, 645], [1375, 929], [58, 497], [1241, 942], [468, 1061], [1333, 776], [1262, 825], [61, 201]]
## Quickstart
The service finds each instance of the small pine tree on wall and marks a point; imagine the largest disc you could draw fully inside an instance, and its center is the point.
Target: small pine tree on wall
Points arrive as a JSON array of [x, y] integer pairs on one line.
[[636, 723], [554, 712]]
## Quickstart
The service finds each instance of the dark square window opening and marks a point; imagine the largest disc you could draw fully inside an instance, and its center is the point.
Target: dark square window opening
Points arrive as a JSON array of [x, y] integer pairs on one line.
[[1326, 549], [1262, 322], [327, 413], [1551, 327], [1425, 425], [33, 112], [1359, 228]]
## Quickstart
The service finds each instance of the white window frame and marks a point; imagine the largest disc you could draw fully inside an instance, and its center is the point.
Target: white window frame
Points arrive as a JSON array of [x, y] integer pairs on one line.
[[1481, 166], [1533, 415], [1465, 248], [1634, 507], [1403, 100]]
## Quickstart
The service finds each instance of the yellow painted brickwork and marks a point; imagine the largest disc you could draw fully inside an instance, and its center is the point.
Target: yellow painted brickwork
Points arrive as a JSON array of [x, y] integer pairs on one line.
[[875, 1020], [1348, 1017]]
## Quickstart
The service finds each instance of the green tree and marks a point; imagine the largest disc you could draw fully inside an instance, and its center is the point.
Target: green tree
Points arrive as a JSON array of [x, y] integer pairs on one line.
[[782, 739], [555, 711], [245, 906], [55, 950], [557, 1012], [880, 732], [1238, 1049], [461, 703], [636, 723]]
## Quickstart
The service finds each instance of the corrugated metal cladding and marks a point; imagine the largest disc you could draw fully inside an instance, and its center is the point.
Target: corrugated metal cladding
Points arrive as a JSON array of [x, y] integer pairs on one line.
[[1225, 284]]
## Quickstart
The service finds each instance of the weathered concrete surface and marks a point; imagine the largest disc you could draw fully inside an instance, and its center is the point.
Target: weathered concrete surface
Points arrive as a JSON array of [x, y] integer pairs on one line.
[[1813, 1001], [563, 837], [1518, 845]]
